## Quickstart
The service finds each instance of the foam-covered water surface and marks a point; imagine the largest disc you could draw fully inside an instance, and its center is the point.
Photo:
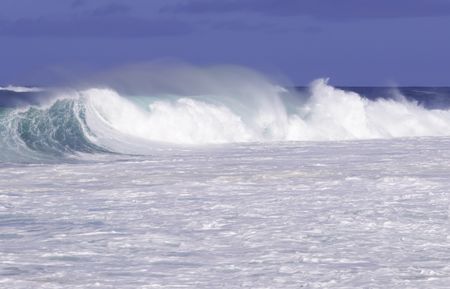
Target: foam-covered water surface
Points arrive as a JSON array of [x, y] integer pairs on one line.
[[357, 214], [220, 178]]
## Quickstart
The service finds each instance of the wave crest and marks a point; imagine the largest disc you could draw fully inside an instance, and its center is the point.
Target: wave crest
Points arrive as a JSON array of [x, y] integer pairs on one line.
[[101, 120]]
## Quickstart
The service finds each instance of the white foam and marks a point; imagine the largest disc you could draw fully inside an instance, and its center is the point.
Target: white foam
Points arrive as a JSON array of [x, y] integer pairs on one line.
[[328, 114], [184, 121], [334, 114]]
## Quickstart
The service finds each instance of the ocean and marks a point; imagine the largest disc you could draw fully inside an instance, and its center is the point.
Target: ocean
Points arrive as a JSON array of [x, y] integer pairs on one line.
[[243, 187]]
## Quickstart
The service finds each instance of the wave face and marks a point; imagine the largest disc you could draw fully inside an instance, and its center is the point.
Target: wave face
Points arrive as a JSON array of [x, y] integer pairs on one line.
[[45, 133], [101, 120]]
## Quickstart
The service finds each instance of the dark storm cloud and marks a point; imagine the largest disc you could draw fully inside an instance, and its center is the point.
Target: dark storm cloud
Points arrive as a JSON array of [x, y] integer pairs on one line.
[[111, 9], [239, 25], [99, 27], [78, 3], [326, 9]]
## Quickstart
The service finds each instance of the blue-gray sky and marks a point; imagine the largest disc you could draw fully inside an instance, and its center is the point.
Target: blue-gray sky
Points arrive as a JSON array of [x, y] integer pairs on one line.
[[354, 42]]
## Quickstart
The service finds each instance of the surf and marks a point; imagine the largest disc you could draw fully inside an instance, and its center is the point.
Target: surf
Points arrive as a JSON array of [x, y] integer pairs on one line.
[[103, 120]]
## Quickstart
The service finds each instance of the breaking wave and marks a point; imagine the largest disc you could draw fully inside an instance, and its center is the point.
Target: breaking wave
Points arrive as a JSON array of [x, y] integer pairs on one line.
[[101, 120], [20, 88]]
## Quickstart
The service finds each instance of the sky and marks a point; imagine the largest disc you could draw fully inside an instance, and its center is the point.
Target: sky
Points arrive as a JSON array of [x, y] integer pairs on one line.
[[352, 42]]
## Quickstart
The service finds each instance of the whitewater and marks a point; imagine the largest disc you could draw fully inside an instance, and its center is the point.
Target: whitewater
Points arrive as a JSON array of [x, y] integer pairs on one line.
[[102, 120], [236, 182]]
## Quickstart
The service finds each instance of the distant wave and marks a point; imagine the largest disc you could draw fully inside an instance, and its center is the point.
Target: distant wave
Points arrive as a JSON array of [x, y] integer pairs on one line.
[[100, 120], [21, 88]]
